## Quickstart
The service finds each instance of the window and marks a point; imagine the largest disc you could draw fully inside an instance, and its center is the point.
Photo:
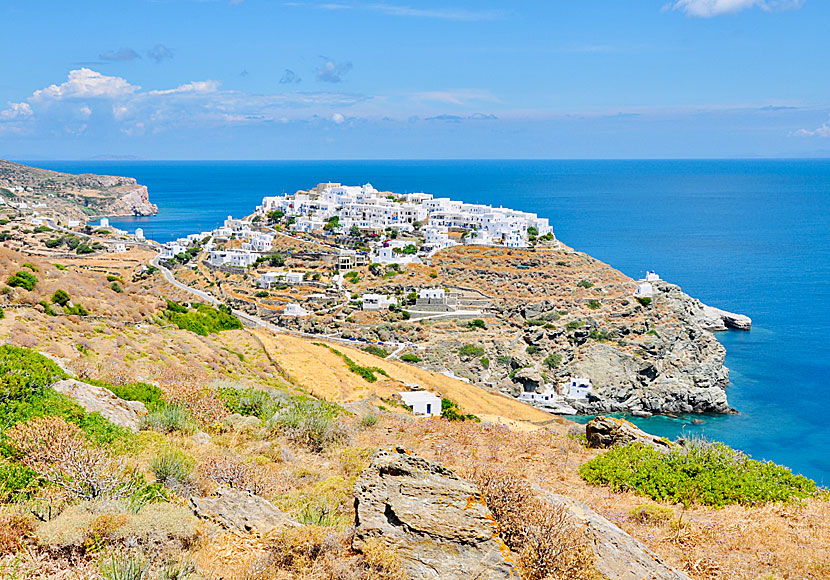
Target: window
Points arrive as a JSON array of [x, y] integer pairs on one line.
[[429, 408]]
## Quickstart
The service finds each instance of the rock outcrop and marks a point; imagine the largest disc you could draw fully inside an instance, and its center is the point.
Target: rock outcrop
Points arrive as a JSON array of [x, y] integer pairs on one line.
[[100, 400], [618, 555], [609, 431], [437, 522], [240, 510]]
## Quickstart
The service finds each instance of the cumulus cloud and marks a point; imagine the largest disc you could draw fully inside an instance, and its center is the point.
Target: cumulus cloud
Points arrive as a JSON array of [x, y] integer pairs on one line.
[[710, 8], [192, 87], [338, 118], [333, 72], [160, 53], [289, 77], [86, 83], [16, 111], [823, 131], [120, 55]]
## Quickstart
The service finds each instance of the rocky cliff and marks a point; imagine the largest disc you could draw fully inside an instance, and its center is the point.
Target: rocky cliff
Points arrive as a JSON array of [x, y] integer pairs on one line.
[[73, 196]]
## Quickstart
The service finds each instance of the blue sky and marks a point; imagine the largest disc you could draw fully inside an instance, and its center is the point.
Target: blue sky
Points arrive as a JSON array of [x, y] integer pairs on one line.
[[266, 79]]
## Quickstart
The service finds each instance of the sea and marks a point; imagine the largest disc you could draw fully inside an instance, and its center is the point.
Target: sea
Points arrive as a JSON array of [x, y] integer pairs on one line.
[[748, 236]]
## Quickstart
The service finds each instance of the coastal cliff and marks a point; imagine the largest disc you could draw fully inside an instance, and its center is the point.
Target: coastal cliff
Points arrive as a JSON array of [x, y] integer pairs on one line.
[[69, 196]]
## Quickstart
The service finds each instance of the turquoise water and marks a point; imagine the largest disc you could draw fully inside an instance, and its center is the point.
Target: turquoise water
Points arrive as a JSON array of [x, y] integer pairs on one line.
[[747, 236]]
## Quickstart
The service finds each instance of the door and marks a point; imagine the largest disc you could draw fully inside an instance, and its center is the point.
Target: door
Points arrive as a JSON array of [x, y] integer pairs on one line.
[[429, 408]]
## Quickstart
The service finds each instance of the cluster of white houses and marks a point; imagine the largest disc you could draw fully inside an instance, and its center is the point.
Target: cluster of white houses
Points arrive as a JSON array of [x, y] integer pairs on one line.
[[370, 210]]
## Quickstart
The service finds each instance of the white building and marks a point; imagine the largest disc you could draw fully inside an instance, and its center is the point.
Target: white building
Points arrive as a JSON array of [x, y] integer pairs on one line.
[[652, 276], [377, 301], [548, 397], [105, 223], [139, 234], [235, 258], [422, 403], [644, 290], [117, 248], [437, 294], [577, 388], [73, 223], [294, 277], [294, 310], [267, 279]]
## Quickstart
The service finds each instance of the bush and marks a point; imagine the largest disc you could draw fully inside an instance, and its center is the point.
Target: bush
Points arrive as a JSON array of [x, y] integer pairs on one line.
[[59, 453], [553, 360], [171, 467], [77, 310], [169, 418], [376, 350], [24, 373], [644, 300], [369, 420], [148, 394], [544, 539], [261, 294], [452, 412], [471, 350], [412, 358], [14, 530], [60, 297], [651, 514], [249, 401], [711, 474], [485, 362], [31, 267], [116, 287], [533, 349], [203, 319], [594, 304], [476, 324], [584, 284], [125, 566], [23, 280], [311, 423]]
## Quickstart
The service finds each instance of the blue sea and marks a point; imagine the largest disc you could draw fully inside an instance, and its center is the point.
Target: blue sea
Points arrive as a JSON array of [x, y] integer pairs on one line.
[[748, 236]]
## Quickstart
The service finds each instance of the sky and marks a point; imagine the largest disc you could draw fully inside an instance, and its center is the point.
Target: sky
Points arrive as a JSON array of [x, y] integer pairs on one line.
[[376, 79]]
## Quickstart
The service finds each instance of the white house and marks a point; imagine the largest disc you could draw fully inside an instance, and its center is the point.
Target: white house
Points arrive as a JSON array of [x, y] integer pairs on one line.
[[548, 397], [644, 290], [269, 278], [652, 276], [236, 258], [117, 248], [105, 223], [294, 310], [294, 277], [139, 234], [73, 223], [438, 294], [422, 403], [377, 301], [577, 388]]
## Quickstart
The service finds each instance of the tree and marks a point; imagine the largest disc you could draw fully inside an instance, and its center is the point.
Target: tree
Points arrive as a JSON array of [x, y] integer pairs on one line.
[[60, 297], [354, 231]]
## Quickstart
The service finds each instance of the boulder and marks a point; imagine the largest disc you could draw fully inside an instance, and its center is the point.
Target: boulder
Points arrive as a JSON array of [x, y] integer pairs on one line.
[[235, 509], [438, 523], [610, 431], [100, 400], [618, 555]]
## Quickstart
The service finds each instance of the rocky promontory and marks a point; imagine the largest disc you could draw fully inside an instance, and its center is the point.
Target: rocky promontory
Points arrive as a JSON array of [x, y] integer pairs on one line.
[[69, 196]]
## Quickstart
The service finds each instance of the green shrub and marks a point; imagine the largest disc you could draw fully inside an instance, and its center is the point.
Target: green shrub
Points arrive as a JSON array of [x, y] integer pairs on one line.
[[76, 309], [23, 280], [249, 401], [116, 287], [144, 392], [24, 373], [485, 362], [2, 314], [376, 350], [471, 350], [476, 324], [594, 304], [31, 267], [261, 294], [452, 412], [644, 300], [553, 360], [168, 418], [125, 566], [651, 514], [584, 284], [311, 423], [533, 349], [369, 420], [368, 373], [112, 278], [573, 325], [60, 297], [171, 467], [504, 360], [409, 357], [203, 319], [711, 474]]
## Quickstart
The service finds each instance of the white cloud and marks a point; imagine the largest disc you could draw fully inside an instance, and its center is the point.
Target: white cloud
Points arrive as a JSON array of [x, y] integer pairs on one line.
[[457, 96], [85, 111], [823, 131], [16, 111], [710, 8], [86, 83], [193, 87], [338, 118]]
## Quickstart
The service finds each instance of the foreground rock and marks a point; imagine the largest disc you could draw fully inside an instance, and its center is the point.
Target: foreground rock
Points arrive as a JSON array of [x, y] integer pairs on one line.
[[618, 555], [609, 431], [240, 510], [438, 523], [100, 400]]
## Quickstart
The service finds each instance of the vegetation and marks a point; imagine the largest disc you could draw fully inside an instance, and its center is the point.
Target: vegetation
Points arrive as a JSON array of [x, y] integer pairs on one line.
[[60, 297], [644, 300], [249, 401], [553, 360], [24, 280], [533, 349], [594, 304], [169, 418], [701, 472], [452, 412], [202, 319], [376, 350], [476, 324], [311, 423], [411, 358], [584, 284], [471, 350]]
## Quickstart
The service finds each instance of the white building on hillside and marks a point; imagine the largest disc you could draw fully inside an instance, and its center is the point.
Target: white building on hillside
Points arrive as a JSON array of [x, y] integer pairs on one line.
[[377, 301], [294, 310], [235, 258], [422, 403], [644, 290], [652, 276], [577, 388]]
